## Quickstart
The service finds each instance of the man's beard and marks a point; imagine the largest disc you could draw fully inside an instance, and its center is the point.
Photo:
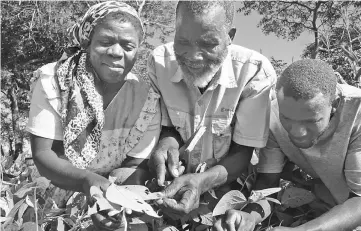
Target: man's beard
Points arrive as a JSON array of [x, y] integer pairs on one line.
[[208, 70]]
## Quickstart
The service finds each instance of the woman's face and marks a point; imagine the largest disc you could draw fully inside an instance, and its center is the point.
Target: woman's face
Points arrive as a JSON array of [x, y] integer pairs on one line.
[[113, 49]]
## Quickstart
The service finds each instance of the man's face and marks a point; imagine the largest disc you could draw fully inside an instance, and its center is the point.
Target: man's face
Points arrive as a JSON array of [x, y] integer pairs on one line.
[[304, 120], [200, 44], [113, 49]]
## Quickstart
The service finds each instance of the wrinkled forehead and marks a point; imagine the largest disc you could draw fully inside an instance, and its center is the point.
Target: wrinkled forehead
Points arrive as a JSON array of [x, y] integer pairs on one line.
[[212, 15]]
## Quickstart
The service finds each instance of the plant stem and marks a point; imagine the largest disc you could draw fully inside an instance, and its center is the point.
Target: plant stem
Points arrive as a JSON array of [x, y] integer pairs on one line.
[[125, 221], [36, 211]]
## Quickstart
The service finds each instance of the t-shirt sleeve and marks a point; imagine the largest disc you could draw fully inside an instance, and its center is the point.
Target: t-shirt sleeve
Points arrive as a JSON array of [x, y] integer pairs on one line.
[[271, 157], [44, 118], [253, 111], [165, 121], [353, 166]]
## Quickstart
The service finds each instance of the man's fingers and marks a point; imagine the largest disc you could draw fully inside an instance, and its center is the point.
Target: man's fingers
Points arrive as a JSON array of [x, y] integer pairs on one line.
[[171, 190], [230, 222], [181, 207], [160, 168], [218, 225], [181, 169], [173, 162]]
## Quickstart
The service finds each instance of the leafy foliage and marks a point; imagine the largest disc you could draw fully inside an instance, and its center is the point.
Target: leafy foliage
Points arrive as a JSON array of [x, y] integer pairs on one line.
[[335, 26]]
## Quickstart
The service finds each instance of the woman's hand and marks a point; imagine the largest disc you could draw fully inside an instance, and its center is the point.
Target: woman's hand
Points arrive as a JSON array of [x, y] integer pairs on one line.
[[93, 179], [103, 220]]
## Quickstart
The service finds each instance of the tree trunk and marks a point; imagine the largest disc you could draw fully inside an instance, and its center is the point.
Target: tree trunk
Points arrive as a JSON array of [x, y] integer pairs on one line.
[[16, 142], [315, 31]]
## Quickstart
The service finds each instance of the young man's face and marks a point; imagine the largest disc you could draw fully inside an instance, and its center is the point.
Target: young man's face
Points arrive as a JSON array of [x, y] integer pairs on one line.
[[200, 44], [304, 120]]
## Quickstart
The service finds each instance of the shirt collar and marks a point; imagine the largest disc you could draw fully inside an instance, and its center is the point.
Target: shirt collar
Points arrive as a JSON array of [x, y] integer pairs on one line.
[[131, 76], [177, 77], [226, 77]]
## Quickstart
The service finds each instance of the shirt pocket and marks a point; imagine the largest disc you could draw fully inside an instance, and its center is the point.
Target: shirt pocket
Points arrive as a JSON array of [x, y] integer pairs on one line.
[[222, 137], [178, 119]]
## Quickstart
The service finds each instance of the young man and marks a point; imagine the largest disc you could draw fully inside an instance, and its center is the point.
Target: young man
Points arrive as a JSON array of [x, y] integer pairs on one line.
[[316, 124], [204, 80]]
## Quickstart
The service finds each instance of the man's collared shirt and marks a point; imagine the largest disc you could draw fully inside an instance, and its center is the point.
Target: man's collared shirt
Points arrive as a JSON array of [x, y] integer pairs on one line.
[[235, 106]]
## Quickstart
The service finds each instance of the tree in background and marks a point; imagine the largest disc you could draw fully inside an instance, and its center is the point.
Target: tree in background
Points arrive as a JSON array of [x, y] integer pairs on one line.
[[340, 44], [278, 64], [33, 33], [335, 26]]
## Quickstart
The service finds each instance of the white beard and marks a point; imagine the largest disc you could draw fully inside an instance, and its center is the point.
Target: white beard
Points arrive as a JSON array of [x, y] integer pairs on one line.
[[200, 80]]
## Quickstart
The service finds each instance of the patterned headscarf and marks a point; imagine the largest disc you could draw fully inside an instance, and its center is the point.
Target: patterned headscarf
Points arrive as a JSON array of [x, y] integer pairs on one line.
[[81, 105], [80, 33]]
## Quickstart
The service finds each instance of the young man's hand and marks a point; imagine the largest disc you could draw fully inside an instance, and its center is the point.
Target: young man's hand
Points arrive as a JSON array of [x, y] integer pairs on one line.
[[234, 220]]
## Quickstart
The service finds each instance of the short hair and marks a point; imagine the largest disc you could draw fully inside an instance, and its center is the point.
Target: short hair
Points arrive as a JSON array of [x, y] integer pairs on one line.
[[201, 7], [306, 78]]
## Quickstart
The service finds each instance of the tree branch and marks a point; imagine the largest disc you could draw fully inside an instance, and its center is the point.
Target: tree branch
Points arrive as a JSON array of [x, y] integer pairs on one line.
[[303, 5], [140, 8]]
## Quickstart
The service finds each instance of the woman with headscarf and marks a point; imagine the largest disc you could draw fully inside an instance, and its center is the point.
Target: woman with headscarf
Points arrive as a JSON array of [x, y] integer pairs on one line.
[[89, 116]]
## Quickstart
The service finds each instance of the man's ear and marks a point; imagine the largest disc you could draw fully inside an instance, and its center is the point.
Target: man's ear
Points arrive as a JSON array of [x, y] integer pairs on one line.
[[232, 33]]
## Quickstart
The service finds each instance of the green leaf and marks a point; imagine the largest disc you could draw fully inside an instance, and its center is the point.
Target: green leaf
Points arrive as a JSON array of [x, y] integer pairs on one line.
[[142, 191], [29, 201], [295, 197], [29, 226], [5, 204], [273, 200], [42, 184], [75, 204], [123, 197], [202, 215], [25, 190], [284, 218], [234, 199], [13, 212], [22, 210], [257, 195]]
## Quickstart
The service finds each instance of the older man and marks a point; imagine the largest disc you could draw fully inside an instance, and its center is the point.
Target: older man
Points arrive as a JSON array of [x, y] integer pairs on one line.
[[204, 80], [316, 124]]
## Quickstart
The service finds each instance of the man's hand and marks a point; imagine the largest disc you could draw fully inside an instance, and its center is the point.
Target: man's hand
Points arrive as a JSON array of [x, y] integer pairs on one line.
[[234, 220], [165, 161], [181, 196]]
